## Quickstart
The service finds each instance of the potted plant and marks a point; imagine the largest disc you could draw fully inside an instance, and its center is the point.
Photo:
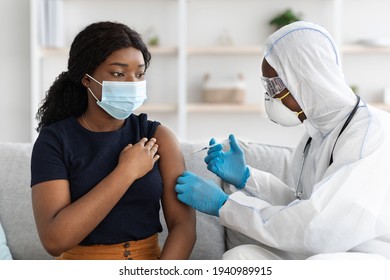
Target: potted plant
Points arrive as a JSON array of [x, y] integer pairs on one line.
[[284, 18]]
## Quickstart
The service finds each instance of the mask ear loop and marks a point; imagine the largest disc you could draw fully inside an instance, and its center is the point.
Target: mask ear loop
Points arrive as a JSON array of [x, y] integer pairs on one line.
[[90, 90], [89, 76], [280, 99], [93, 94]]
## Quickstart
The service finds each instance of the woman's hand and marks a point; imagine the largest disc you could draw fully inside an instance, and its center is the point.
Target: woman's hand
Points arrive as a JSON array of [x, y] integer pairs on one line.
[[138, 159]]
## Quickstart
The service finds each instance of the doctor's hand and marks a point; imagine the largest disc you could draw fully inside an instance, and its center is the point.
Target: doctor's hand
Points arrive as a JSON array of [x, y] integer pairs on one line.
[[203, 195], [230, 166]]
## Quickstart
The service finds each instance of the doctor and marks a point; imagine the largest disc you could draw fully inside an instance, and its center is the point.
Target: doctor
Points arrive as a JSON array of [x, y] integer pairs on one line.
[[339, 203]]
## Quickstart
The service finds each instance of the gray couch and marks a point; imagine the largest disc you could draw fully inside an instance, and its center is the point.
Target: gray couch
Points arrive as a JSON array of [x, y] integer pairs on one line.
[[212, 239]]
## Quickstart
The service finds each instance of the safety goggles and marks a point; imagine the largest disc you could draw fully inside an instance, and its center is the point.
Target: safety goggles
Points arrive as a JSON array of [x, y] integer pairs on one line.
[[273, 86]]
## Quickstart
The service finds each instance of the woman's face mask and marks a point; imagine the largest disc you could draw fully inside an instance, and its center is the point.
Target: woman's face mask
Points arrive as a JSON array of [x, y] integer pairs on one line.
[[279, 113], [120, 99]]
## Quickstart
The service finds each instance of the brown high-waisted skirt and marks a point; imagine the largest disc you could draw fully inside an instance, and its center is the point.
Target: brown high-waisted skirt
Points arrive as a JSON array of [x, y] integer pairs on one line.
[[145, 249]]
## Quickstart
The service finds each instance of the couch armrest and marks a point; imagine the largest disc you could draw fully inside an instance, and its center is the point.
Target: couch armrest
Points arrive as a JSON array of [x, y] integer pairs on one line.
[[269, 158], [15, 202]]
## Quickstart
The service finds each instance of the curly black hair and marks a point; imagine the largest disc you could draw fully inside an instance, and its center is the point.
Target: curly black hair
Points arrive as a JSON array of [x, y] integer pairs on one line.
[[67, 96]]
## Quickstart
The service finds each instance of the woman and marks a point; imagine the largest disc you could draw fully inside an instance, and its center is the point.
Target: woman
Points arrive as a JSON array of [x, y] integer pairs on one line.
[[97, 178], [338, 203]]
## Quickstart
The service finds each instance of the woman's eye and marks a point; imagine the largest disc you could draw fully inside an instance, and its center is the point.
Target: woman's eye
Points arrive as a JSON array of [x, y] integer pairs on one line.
[[117, 74], [140, 75]]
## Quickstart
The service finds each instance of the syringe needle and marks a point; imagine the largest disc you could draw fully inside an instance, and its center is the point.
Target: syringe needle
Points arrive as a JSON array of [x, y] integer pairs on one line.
[[210, 146], [199, 150]]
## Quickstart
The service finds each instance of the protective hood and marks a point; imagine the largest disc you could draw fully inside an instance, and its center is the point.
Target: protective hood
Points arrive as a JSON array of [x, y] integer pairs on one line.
[[305, 57]]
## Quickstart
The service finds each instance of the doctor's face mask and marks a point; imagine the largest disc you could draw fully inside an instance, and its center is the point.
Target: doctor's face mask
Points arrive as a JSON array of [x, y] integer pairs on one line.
[[279, 113], [120, 99]]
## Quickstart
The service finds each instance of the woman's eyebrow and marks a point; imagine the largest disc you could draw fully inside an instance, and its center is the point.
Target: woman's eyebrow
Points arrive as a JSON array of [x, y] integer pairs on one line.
[[120, 64], [125, 64]]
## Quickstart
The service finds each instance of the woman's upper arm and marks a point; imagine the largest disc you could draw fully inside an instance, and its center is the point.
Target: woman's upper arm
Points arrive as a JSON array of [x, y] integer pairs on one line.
[[48, 199], [171, 165]]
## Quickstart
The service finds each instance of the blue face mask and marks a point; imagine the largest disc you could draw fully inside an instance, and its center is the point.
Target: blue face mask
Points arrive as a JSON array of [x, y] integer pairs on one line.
[[120, 99]]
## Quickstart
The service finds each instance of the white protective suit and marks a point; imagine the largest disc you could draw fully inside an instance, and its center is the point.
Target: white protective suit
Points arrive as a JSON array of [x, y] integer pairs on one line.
[[346, 205]]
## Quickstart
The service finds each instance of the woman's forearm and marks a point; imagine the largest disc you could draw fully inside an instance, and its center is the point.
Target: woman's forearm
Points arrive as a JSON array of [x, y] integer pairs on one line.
[[179, 243], [70, 225]]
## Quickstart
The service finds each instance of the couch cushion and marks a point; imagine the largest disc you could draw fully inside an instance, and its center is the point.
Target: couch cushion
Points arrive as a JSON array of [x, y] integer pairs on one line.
[[5, 254], [195, 162], [273, 159], [15, 202]]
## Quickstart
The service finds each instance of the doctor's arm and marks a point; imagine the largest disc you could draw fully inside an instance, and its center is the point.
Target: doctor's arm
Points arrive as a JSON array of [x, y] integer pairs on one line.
[[336, 218], [268, 187], [180, 218], [329, 221]]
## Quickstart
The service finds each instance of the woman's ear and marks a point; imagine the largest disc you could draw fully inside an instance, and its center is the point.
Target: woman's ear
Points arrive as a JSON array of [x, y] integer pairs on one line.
[[86, 81]]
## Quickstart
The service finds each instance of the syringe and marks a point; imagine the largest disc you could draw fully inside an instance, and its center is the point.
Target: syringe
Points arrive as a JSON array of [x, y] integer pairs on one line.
[[210, 146]]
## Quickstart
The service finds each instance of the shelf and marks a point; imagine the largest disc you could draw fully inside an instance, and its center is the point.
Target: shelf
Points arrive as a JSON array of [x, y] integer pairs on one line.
[[382, 106], [223, 108], [53, 52], [158, 108], [203, 108], [163, 50], [212, 50], [364, 49], [226, 50], [58, 52], [258, 50]]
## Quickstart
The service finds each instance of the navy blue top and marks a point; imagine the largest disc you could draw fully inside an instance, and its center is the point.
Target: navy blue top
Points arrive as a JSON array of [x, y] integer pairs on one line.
[[66, 150]]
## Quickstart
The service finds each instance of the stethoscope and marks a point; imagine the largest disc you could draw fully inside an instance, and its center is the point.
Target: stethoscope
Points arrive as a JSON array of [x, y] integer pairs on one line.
[[299, 191]]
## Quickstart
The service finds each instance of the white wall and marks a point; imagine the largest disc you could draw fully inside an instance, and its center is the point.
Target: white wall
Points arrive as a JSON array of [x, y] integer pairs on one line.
[[14, 71], [367, 20], [361, 20]]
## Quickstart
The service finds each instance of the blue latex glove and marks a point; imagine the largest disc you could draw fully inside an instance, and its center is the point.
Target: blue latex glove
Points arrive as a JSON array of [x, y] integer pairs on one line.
[[230, 166], [203, 195]]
